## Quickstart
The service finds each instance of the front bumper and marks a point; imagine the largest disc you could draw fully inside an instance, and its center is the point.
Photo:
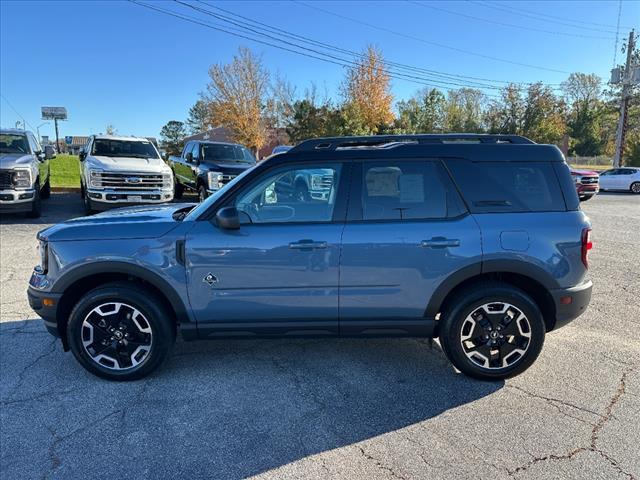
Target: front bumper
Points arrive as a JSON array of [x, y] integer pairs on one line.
[[587, 190], [580, 296], [16, 200], [46, 310], [105, 199]]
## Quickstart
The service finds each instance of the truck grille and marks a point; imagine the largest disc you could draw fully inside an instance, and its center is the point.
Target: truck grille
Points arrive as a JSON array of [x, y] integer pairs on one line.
[[127, 181], [326, 182], [589, 180], [5, 179], [226, 178]]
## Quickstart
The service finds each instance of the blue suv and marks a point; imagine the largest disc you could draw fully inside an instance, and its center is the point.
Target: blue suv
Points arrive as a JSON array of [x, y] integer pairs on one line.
[[477, 240]]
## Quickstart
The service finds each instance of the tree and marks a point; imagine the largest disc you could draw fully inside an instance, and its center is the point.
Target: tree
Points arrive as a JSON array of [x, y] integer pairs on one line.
[[367, 90], [543, 116], [583, 94], [237, 97], [463, 111], [172, 137], [424, 113], [199, 118], [111, 130], [505, 115]]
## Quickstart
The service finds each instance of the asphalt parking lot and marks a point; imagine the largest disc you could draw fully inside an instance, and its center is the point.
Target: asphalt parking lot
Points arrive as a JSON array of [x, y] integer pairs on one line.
[[329, 408]]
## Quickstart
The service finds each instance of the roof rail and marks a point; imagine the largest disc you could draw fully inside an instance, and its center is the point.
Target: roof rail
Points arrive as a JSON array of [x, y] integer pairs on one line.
[[392, 141]]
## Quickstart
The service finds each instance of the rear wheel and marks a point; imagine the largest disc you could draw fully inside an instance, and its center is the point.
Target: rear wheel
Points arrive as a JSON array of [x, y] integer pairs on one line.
[[492, 331], [120, 332], [635, 187]]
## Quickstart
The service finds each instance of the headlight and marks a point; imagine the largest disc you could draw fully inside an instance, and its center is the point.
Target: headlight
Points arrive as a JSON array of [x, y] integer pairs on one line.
[[21, 178], [214, 179], [577, 179], [167, 181], [43, 247], [95, 178]]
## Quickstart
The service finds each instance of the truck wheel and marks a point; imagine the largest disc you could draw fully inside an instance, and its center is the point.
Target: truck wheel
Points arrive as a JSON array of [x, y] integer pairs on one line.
[[584, 198], [492, 331], [36, 204], [178, 189], [120, 331], [46, 188], [88, 208], [635, 187], [202, 193]]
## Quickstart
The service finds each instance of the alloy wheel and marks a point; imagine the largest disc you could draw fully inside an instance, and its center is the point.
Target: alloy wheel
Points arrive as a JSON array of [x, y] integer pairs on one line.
[[117, 336], [495, 335]]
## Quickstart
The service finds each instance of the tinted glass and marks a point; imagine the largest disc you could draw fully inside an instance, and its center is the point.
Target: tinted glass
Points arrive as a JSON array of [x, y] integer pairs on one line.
[[406, 190], [291, 194], [123, 148], [508, 186], [226, 153], [13, 144]]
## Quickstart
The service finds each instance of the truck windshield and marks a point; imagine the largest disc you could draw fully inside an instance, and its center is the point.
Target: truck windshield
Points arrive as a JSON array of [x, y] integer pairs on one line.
[[220, 153], [13, 144], [123, 148]]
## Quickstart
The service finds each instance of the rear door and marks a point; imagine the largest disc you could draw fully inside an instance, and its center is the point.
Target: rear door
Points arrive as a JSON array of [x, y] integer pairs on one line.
[[407, 230]]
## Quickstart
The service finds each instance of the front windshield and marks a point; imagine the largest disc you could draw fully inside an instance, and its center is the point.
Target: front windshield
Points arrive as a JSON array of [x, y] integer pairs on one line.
[[221, 153], [13, 143], [123, 148], [202, 207]]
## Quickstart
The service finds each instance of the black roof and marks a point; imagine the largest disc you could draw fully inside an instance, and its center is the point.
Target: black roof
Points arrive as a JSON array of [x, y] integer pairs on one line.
[[476, 147]]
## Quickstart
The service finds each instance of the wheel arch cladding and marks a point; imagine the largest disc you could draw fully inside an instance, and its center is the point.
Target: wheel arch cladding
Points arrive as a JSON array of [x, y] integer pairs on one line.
[[78, 282], [527, 279]]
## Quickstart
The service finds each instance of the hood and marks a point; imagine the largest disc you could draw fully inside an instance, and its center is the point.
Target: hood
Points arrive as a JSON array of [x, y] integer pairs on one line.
[[128, 164], [228, 168], [10, 160], [145, 221], [584, 172]]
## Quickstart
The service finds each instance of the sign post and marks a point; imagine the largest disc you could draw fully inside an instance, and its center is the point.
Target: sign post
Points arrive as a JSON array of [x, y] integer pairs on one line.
[[55, 114]]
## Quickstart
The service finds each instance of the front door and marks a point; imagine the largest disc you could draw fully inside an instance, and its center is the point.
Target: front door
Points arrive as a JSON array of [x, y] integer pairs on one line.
[[277, 274], [407, 230]]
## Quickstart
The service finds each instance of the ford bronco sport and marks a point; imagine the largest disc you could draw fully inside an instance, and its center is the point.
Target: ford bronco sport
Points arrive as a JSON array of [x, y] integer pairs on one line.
[[478, 240]]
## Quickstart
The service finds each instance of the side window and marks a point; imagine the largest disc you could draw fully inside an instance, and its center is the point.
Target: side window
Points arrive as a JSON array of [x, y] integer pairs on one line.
[[408, 190], [32, 143], [492, 187], [195, 151], [291, 194]]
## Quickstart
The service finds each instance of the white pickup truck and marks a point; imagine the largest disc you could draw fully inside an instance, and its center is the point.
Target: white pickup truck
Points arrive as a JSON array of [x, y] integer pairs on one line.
[[120, 171]]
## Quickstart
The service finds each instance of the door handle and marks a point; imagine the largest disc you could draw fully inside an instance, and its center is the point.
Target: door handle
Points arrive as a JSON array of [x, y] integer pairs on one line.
[[440, 242], [307, 245]]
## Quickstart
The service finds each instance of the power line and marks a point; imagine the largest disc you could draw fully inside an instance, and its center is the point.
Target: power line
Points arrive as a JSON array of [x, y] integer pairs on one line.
[[16, 111], [540, 17], [615, 47], [331, 59], [508, 25], [546, 15], [468, 80], [429, 42]]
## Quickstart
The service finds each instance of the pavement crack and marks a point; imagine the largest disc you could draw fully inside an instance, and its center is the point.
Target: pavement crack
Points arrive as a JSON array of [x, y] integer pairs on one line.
[[379, 464], [23, 372]]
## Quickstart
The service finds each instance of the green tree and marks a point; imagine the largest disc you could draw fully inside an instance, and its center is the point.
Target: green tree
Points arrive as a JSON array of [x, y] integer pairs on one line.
[[463, 111], [199, 118], [583, 93], [543, 115], [424, 113], [172, 136]]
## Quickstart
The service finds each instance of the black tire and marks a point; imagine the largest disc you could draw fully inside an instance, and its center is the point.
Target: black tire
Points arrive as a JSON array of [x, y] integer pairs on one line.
[[584, 198], [178, 189], [202, 193], [46, 188], [88, 207], [36, 204], [635, 188], [155, 318], [457, 315]]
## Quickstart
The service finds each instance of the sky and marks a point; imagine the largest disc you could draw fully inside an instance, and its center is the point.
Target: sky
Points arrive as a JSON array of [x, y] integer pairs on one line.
[[118, 63]]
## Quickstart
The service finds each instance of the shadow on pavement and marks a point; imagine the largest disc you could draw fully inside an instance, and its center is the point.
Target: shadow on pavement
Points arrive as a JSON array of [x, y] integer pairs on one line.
[[216, 409]]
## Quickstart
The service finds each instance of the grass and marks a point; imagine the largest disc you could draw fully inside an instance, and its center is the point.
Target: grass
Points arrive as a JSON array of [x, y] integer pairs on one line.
[[65, 171]]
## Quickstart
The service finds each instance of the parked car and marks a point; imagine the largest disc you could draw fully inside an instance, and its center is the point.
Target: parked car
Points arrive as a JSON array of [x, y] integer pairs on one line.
[[24, 172], [481, 243], [205, 167], [623, 179], [586, 182], [120, 171], [281, 149]]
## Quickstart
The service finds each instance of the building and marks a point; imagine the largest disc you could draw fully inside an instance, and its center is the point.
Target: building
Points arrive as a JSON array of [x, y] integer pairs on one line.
[[74, 144], [275, 137]]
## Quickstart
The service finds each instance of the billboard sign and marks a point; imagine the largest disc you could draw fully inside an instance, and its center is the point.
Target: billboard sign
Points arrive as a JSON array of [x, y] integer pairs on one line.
[[54, 113]]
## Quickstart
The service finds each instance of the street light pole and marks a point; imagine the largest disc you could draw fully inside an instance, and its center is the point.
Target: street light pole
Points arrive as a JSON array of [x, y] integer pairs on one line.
[[38, 130]]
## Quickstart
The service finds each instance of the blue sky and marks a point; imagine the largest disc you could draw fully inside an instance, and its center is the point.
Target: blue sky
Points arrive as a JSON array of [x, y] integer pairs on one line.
[[113, 62]]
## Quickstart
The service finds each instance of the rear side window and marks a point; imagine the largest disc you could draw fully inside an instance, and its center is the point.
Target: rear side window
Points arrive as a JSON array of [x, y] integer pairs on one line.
[[508, 186], [408, 190]]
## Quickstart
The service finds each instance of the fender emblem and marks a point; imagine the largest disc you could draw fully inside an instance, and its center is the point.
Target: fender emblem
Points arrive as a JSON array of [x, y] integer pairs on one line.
[[210, 278]]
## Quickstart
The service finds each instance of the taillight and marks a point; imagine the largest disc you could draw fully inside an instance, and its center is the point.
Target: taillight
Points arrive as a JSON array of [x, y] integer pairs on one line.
[[586, 246]]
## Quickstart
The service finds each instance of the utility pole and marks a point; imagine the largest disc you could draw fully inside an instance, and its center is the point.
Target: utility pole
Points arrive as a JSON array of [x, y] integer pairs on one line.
[[627, 82], [55, 122]]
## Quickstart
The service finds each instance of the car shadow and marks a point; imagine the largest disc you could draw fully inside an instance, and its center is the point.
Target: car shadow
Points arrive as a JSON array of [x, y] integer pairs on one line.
[[223, 409], [59, 207]]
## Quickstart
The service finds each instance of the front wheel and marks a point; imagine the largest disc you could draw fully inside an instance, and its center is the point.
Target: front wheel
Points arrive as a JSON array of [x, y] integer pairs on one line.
[[584, 198], [178, 189], [202, 193], [492, 331], [635, 187], [46, 188], [120, 332], [36, 204]]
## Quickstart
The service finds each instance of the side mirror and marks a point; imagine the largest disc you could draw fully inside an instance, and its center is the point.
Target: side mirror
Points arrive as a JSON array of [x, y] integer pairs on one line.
[[49, 152], [82, 156], [228, 218], [189, 157]]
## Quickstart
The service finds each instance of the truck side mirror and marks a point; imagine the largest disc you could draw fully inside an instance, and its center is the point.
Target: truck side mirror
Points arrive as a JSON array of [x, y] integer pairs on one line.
[[228, 218], [82, 156], [189, 157]]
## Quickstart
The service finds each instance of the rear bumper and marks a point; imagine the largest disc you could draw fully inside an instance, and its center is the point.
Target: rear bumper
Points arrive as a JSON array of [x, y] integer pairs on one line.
[[46, 312], [580, 296]]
